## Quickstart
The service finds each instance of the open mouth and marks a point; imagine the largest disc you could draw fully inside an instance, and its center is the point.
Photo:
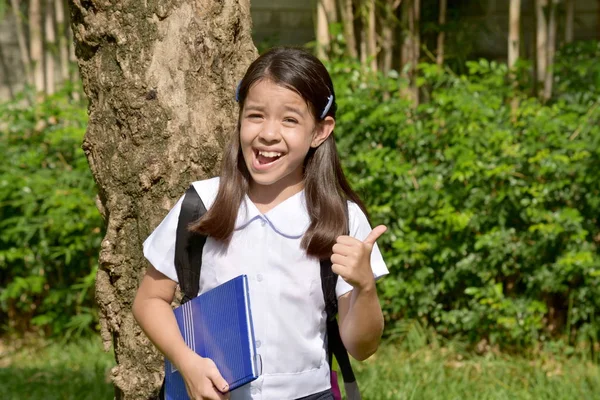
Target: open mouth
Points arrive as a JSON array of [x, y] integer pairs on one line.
[[267, 157]]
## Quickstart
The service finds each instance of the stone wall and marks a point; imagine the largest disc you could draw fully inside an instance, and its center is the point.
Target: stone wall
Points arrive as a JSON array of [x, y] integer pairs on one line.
[[282, 22]]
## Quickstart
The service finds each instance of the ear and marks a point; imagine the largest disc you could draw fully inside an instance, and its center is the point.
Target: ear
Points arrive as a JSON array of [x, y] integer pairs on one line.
[[322, 131]]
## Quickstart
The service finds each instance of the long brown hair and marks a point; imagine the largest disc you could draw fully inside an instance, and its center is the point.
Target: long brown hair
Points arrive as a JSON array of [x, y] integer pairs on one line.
[[326, 188]]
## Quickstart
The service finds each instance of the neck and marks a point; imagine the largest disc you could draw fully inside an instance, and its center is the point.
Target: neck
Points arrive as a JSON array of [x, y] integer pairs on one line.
[[266, 197]]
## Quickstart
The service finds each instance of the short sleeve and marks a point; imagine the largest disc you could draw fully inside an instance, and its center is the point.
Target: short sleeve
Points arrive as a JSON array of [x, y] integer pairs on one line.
[[159, 247], [360, 229]]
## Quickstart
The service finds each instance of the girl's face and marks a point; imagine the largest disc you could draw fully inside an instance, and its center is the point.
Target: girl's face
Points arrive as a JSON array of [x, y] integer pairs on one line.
[[277, 129]]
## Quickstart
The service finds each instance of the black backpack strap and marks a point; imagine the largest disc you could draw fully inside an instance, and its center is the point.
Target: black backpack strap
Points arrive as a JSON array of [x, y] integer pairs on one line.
[[189, 245], [335, 346], [188, 251]]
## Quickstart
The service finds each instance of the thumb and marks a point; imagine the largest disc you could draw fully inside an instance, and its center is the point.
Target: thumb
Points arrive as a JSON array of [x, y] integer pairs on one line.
[[375, 234], [217, 380]]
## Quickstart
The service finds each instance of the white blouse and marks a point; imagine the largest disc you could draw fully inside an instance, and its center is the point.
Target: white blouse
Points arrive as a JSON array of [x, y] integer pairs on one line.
[[285, 287]]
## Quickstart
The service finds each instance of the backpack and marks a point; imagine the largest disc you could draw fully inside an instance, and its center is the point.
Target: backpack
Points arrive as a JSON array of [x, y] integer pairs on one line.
[[188, 263]]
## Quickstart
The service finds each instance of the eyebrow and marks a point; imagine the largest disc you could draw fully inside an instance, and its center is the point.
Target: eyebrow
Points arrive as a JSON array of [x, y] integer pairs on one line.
[[293, 109], [256, 107]]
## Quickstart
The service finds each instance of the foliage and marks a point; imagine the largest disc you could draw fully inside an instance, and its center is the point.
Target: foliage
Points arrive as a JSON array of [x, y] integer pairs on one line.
[[493, 213], [578, 71], [50, 230]]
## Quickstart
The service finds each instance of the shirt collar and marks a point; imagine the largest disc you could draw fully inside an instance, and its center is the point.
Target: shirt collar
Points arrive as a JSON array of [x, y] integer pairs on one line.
[[289, 218]]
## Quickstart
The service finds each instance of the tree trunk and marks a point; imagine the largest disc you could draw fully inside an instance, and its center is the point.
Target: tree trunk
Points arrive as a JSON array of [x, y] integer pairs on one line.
[[541, 39], [442, 33], [388, 24], [514, 46], [50, 47], [363, 45], [416, 34], [371, 36], [330, 11], [35, 43], [322, 31], [407, 23], [569, 20], [552, 30], [348, 22], [24, 53], [8, 79], [73, 72], [63, 49], [411, 46], [160, 79], [514, 37]]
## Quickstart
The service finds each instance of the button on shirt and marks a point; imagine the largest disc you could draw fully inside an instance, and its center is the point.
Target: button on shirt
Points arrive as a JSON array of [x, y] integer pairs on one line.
[[288, 309]]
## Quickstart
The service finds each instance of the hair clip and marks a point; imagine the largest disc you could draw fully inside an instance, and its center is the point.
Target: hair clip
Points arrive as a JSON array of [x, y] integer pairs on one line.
[[328, 106], [237, 92]]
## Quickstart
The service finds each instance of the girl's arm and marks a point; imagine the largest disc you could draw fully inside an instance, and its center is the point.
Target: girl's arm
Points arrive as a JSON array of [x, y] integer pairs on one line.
[[361, 322], [152, 310], [361, 319]]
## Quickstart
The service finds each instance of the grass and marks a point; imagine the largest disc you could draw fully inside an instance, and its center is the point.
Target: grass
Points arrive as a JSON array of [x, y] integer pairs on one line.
[[448, 373], [80, 370], [54, 371]]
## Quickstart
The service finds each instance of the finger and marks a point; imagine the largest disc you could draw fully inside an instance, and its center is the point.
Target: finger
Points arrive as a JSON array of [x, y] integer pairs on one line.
[[375, 234], [217, 380], [340, 270], [338, 259], [343, 249], [347, 240], [223, 396], [213, 394]]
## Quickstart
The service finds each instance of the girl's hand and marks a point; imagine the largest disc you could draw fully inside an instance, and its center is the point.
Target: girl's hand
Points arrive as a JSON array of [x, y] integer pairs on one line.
[[351, 259], [202, 378]]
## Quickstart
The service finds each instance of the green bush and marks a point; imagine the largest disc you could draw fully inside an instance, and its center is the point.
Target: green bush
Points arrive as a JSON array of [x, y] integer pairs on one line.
[[50, 230], [493, 214]]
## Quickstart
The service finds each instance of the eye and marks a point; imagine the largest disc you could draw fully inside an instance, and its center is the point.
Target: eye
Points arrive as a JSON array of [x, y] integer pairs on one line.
[[254, 116], [290, 120]]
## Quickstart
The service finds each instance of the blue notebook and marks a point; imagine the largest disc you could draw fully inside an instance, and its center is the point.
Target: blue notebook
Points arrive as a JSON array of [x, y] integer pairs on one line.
[[217, 325]]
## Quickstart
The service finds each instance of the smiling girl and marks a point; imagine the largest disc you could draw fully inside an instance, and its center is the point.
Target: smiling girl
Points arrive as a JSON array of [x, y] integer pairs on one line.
[[280, 205]]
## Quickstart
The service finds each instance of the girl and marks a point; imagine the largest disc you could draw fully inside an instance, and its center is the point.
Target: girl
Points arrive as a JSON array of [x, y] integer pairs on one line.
[[281, 204]]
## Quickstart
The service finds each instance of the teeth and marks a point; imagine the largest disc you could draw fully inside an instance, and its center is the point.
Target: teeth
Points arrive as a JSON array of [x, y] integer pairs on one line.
[[269, 154]]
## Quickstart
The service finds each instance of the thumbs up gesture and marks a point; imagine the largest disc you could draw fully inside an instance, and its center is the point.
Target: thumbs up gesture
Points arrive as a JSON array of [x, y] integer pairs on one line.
[[351, 258]]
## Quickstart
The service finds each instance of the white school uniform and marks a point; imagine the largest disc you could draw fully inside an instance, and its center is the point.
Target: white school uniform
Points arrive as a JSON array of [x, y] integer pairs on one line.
[[288, 309]]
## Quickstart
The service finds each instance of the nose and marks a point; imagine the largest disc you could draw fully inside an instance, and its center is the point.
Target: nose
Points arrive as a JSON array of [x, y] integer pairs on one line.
[[270, 132]]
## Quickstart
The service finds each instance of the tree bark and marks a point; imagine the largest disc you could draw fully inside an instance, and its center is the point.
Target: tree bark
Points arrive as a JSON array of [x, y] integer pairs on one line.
[[514, 33], [160, 79], [569, 20], [24, 53], [35, 43], [552, 30], [63, 49], [442, 33], [348, 21], [541, 39], [50, 47]]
